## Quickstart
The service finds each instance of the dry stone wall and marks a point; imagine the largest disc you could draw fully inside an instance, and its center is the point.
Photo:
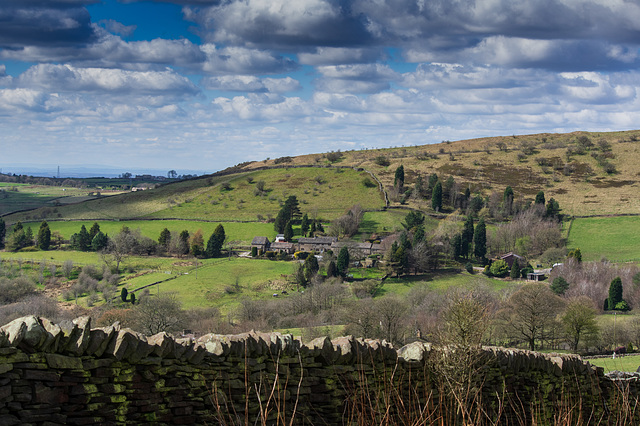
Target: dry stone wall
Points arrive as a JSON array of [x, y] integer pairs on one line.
[[70, 373]]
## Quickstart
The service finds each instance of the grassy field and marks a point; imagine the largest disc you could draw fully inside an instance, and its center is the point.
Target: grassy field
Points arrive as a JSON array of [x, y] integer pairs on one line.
[[23, 196], [443, 281], [616, 238], [322, 192], [242, 233], [626, 363]]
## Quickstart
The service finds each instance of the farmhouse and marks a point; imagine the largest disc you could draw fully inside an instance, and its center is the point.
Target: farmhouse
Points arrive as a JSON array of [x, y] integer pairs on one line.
[[319, 244], [260, 243], [512, 257], [282, 247]]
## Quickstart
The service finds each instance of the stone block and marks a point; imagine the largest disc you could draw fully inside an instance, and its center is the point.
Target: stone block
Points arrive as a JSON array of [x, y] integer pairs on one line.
[[47, 395], [41, 375], [63, 362], [9, 420], [15, 331]]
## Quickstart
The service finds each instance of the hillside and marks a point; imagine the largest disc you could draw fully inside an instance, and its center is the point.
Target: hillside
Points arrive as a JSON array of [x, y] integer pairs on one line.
[[588, 173]]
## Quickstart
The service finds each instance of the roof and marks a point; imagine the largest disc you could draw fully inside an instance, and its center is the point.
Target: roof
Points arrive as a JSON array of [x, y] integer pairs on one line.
[[281, 246], [352, 245], [259, 241], [504, 256], [317, 240]]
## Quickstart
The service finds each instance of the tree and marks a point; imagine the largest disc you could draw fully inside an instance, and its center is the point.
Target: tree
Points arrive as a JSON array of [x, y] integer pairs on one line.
[[184, 242], [28, 236], [529, 312], [398, 180], [540, 198], [310, 267], [197, 243], [508, 194], [158, 313], [172, 174], [579, 321], [95, 228], [459, 246], [288, 231], [480, 240], [615, 293], [99, 242], [83, 241], [553, 209], [559, 285], [123, 294], [467, 232], [412, 220], [343, 261], [433, 179], [280, 221], [215, 242], [332, 269], [44, 236], [575, 254], [514, 274], [304, 225], [3, 232], [436, 197], [165, 238], [499, 268]]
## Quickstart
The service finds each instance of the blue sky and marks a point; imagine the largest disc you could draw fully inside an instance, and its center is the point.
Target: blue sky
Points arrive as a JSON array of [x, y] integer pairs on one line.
[[206, 84]]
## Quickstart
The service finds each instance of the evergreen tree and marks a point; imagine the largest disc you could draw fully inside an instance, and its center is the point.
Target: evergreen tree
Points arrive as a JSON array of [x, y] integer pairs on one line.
[[44, 236], [95, 228], [215, 243], [17, 227], [480, 240], [343, 261], [540, 198], [288, 231], [560, 285], [508, 194], [123, 294], [99, 242], [281, 221], [553, 209], [615, 293], [319, 226], [304, 225], [165, 238], [398, 180], [467, 232], [459, 246], [332, 270], [312, 230], [310, 267], [514, 274], [83, 241], [412, 220], [436, 197], [28, 236], [3, 232]]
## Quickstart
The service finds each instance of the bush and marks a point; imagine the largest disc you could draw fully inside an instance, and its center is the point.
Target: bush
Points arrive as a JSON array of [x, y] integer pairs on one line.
[[499, 268], [622, 306], [366, 288], [368, 183], [381, 160], [13, 290], [559, 285], [469, 267]]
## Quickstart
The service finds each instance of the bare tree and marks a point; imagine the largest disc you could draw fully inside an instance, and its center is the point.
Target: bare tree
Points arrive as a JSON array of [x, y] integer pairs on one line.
[[159, 313]]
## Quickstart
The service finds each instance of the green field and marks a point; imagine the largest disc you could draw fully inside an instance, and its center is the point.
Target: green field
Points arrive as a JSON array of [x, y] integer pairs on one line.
[[615, 238], [443, 281], [322, 192], [240, 233], [625, 363]]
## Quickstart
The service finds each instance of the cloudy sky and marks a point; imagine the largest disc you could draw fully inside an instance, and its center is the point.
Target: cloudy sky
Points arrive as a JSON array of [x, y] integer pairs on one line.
[[205, 84]]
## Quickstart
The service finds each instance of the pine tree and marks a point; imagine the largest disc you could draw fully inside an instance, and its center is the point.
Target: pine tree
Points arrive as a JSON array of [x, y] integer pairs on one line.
[[184, 242], [514, 274], [281, 221], [123, 294], [332, 269], [304, 225], [28, 237], [215, 242], [288, 231], [343, 261], [83, 240], [99, 242], [615, 293], [540, 198], [165, 238], [480, 240], [398, 180], [44, 236], [467, 232], [95, 228], [436, 197]]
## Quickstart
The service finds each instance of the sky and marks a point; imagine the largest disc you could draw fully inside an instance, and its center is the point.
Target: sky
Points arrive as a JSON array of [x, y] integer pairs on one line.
[[201, 85]]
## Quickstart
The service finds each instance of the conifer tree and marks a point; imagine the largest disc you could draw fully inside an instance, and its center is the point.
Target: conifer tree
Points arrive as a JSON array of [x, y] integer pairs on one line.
[[44, 236], [480, 240]]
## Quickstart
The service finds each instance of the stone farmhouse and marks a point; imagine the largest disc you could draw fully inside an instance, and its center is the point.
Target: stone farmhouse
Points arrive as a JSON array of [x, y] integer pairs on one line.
[[318, 245]]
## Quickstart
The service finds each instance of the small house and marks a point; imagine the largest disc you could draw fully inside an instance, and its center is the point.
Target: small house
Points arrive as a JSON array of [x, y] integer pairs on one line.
[[282, 247], [510, 258], [318, 244], [536, 276], [261, 243]]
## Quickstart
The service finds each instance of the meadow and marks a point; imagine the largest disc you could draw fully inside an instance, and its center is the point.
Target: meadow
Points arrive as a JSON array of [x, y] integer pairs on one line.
[[238, 233], [616, 238]]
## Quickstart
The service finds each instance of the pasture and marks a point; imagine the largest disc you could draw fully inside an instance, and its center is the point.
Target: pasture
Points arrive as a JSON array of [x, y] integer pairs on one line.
[[239, 233], [615, 238]]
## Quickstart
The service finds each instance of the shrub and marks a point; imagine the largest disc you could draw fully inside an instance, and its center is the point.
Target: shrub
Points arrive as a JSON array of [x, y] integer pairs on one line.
[[469, 267], [559, 285], [499, 268], [381, 160], [368, 183]]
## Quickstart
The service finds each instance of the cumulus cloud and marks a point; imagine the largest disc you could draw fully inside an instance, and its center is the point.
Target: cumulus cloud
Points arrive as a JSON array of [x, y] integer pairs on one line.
[[247, 83], [45, 23], [281, 23], [110, 81], [116, 27], [339, 56]]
